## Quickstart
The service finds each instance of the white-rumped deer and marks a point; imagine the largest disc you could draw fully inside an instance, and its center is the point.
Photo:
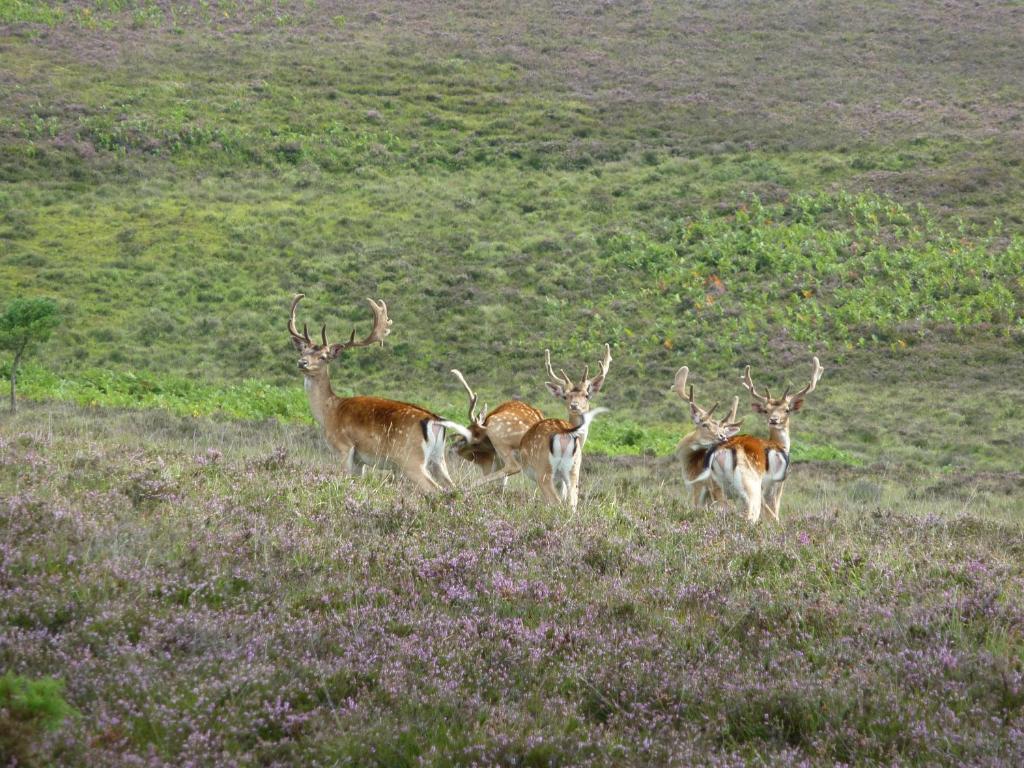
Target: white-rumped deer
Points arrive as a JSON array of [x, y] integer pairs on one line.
[[751, 469], [371, 430], [494, 436], [695, 448], [551, 451]]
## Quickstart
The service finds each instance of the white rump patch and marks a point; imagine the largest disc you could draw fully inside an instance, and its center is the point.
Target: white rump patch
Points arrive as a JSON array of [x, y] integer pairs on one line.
[[562, 458], [778, 466]]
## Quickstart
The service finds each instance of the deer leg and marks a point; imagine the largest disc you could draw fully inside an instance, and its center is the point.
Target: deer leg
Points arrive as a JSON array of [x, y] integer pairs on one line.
[[512, 467], [421, 478], [441, 470], [750, 490], [773, 499], [547, 488], [699, 494], [574, 484], [350, 462]]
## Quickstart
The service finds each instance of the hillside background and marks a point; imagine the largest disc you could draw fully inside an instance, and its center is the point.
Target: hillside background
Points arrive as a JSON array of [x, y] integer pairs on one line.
[[186, 577], [711, 184]]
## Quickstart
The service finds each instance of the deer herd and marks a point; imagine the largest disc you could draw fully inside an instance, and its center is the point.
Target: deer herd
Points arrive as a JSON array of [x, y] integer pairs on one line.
[[718, 462]]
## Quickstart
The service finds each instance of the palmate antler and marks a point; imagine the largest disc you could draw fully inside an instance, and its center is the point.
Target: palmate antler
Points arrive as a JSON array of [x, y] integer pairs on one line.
[[381, 327], [767, 396], [595, 383], [748, 384], [586, 383], [562, 381], [302, 339], [680, 389], [474, 417], [815, 376]]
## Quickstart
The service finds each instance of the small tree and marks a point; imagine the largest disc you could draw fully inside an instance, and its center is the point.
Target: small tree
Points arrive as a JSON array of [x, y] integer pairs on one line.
[[25, 324]]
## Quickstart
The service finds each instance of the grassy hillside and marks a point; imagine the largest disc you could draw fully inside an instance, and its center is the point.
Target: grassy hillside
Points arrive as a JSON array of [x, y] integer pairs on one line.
[[185, 578], [704, 185], [213, 593]]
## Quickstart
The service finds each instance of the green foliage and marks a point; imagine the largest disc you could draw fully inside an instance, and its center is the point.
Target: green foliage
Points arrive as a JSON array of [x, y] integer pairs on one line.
[[25, 11], [27, 323], [39, 701], [29, 707]]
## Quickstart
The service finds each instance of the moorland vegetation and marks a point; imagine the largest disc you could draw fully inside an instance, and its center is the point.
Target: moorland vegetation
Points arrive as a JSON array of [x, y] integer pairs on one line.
[[185, 577]]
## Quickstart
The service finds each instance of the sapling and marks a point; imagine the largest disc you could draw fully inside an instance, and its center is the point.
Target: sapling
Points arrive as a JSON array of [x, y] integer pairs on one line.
[[25, 325]]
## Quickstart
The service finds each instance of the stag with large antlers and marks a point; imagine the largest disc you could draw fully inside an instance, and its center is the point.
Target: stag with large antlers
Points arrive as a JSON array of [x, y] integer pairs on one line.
[[754, 470], [695, 448], [371, 430], [494, 436], [551, 452]]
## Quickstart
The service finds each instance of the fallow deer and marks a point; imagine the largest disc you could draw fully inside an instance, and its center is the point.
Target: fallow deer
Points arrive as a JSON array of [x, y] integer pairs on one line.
[[751, 469], [695, 448], [551, 452], [494, 436], [371, 430]]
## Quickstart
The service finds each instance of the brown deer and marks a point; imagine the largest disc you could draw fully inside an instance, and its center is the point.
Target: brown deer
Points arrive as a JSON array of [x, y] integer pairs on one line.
[[371, 430], [551, 451], [751, 469], [495, 437], [695, 448]]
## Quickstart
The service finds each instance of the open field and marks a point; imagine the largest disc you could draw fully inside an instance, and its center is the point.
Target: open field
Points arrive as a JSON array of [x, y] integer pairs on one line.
[[709, 184], [213, 593]]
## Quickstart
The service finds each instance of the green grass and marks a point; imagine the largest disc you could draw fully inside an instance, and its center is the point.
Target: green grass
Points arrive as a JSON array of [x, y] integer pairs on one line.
[[709, 185]]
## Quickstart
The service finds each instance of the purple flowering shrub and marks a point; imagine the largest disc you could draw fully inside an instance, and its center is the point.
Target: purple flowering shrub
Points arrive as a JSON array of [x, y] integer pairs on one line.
[[239, 602]]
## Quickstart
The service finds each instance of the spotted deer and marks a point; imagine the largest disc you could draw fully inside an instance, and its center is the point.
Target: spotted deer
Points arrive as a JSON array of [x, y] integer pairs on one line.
[[751, 469], [494, 436], [551, 452], [696, 447], [371, 430]]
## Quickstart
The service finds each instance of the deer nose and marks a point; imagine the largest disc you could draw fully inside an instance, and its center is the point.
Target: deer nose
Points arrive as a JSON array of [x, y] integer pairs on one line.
[[303, 364]]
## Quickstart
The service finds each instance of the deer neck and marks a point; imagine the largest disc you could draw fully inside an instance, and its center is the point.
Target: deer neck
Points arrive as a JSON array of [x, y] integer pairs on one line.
[[575, 418], [321, 396], [780, 435], [691, 442]]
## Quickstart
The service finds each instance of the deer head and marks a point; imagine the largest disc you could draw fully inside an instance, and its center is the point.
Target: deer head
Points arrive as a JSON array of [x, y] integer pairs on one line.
[[778, 410], [315, 358], [577, 396], [476, 418], [709, 431]]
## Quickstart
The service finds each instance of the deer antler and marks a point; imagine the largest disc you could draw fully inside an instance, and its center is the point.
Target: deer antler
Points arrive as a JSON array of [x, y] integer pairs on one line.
[[304, 337], [562, 381], [679, 387], [381, 328], [474, 418], [597, 381], [731, 418], [748, 384], [815, 375]]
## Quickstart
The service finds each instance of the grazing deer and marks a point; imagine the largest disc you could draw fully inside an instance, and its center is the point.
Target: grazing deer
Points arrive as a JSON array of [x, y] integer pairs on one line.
[[695, 448], [754, 470], [371, 430], [495, 437], [551, 451]]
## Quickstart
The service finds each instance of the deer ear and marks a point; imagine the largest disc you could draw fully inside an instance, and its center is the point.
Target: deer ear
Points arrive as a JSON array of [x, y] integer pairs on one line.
[[298, 344], [555, 389], [732, 429], [335, 350], [796, 405], [595, 386], [758, 407]]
